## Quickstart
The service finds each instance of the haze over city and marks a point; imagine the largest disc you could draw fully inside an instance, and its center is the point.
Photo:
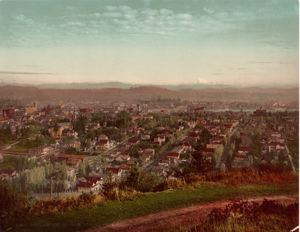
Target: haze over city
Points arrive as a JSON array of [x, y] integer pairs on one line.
[[244, 43]]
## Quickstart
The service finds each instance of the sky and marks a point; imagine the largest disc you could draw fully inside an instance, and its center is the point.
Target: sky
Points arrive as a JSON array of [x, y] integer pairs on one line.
[[231, 42]]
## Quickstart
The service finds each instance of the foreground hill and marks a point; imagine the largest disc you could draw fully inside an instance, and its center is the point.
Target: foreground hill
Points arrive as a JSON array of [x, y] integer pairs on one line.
[[182, 217], [108, 212], [261, 95]]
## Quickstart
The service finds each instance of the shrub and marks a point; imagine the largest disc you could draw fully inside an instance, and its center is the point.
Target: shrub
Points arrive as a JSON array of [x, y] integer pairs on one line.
[[58, 205], [149, 182], [110, 190], [14, 207], [175, 183], [129, 194], [245, 176]]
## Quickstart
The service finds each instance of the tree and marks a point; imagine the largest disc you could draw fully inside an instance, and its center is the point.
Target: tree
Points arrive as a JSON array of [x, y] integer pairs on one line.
[[82, 169], [256, 145], [79, 125], [132, 177], [123, 119], [202, 164], [110, 189], [150, 182]]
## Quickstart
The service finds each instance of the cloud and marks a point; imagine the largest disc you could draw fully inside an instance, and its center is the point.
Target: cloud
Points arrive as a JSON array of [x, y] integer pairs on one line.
[[107, 20], [207, 10], [217, 74], [23, 73]]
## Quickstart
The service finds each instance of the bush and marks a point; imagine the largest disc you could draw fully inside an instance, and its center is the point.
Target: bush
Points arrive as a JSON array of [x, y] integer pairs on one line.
[[175, 183], [129, 194], [61, 206], [14, 207], [110, 190], [245, 176], [149, 182]]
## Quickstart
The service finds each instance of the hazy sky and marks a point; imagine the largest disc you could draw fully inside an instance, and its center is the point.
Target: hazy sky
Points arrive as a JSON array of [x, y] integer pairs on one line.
[[244, 42]]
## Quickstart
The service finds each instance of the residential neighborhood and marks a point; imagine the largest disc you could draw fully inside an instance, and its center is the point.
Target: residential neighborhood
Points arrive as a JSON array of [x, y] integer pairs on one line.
[[69, 149]]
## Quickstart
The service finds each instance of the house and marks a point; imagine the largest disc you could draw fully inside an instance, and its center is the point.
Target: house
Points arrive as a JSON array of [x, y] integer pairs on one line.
[[276, 147], [165, 162], [160, 139], [228, 126], [214, 145], [192, 124], [243, 150], [173, 155], [75, 144], [69, 159], [124, 169], [103, 142], [242, 158], [133, 141], [148, 154], [7, 174], [90, 184], [145, 137], [207, 154], [85, 110], [115, 172], [240, 161], [186, 145], [220, 139]]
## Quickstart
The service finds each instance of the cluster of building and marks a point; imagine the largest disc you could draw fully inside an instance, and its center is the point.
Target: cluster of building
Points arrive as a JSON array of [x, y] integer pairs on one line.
[[156, 136]]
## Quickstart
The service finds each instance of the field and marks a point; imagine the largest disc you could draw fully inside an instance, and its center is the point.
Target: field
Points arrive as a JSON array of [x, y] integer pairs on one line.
[[112, 211]]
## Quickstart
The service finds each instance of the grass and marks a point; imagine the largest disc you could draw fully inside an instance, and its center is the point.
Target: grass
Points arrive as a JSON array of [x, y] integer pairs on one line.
[[246, 216], [112, 211], [266, 222]]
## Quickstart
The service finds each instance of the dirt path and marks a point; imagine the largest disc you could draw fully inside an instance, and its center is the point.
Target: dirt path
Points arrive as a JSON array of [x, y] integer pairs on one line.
[[167, 220]]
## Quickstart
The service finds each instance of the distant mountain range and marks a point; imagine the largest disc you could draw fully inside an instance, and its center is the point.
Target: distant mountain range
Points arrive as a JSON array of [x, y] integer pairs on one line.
[[129, 93], [122, 85]]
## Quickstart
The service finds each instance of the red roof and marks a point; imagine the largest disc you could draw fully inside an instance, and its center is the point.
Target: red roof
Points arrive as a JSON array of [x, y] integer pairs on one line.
[[7, 171], [113, 170], [208, 150], [244, 148], [93, 179], [173, 154], [133, 140], [124, 167], [228, 125], [103, 142]]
